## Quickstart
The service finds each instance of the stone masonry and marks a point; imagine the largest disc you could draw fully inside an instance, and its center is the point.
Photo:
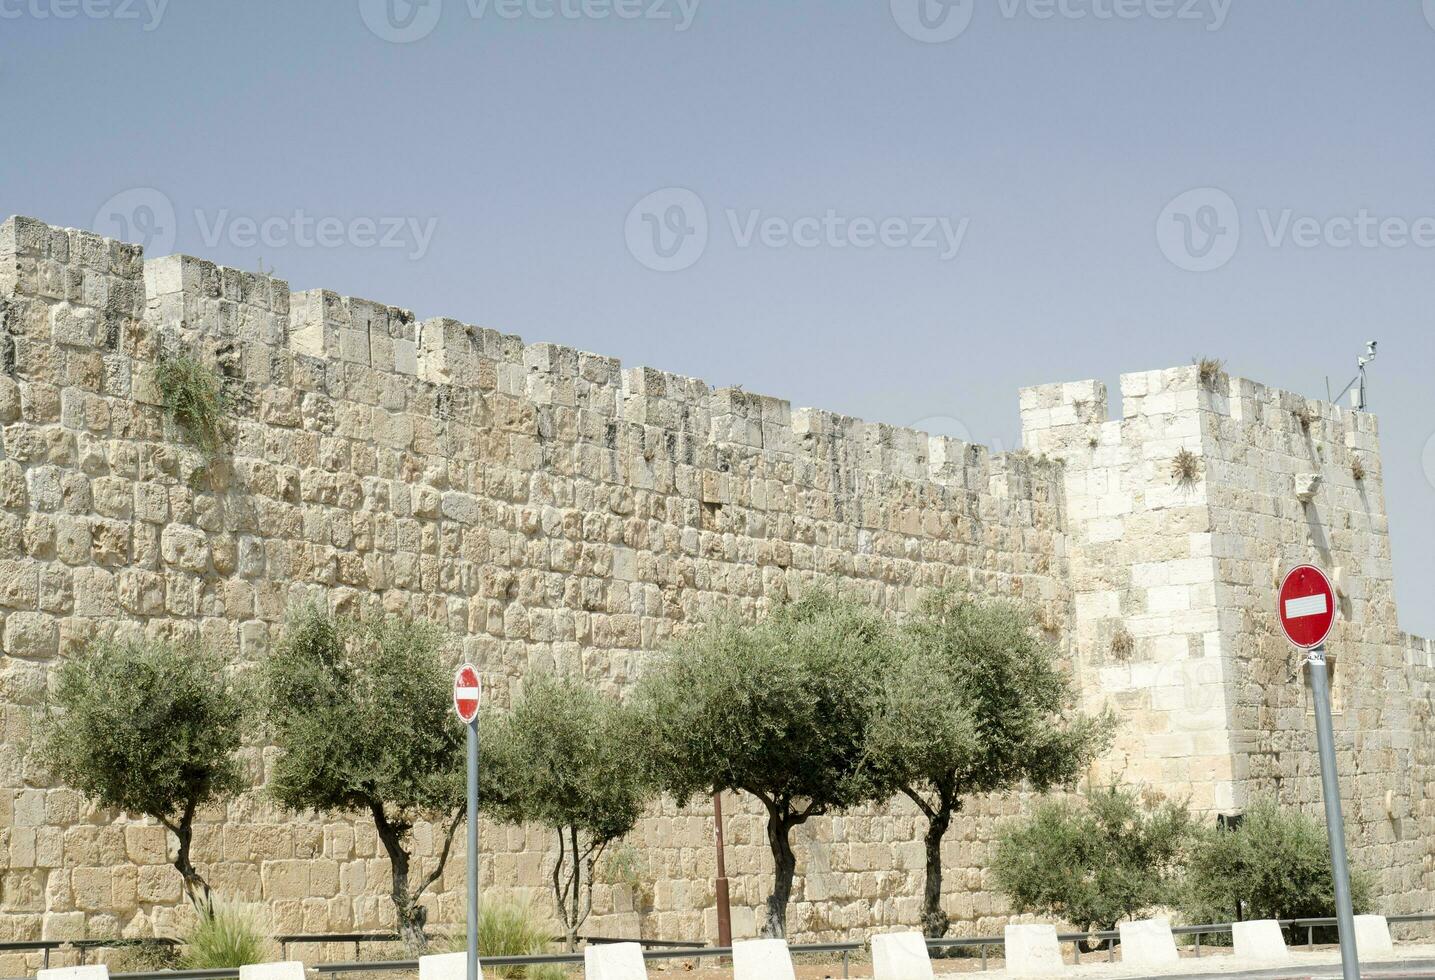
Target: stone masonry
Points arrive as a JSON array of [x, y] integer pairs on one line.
[[558, 512]]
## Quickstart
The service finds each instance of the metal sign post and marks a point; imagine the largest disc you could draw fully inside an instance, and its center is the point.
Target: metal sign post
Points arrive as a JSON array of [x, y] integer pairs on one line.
[[473, 850], [1306, 607], [467, 692], [1334, 821]]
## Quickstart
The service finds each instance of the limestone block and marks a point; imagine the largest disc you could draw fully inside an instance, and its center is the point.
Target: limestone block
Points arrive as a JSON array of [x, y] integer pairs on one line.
[[446, 966], [1148, 943], [93, 971], [1372, 935], [1259, 940], [762, 959], [289, 970], [614, 961], [900, 956], [1032, 951]]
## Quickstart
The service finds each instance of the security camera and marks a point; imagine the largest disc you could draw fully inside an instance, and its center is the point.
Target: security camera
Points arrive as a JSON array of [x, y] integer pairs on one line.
[[1370, 347]]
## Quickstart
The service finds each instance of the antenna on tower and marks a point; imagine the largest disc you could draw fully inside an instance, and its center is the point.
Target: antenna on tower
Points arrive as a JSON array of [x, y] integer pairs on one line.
[[1357, 397]]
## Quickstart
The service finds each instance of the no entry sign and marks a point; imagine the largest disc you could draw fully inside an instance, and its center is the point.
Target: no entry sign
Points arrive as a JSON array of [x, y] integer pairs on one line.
[[467, 689], [1307, 606]]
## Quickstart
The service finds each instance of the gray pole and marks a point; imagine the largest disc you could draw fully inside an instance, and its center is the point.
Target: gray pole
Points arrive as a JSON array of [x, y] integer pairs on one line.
[[1334, 822], [473, 849]]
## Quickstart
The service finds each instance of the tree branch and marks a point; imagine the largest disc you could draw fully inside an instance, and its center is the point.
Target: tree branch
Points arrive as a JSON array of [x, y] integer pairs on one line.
[[443, 855]]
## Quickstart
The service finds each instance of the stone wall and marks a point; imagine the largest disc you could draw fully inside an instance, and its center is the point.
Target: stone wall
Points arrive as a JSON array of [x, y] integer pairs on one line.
[[558, 512], [553, 510]]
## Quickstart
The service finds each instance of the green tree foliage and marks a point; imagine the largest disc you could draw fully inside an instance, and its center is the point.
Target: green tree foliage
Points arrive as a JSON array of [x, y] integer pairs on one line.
[[979, 704], [781, 709], [1113, 856], [1274, 865], [148, 727], [361, 712], [564, 757]]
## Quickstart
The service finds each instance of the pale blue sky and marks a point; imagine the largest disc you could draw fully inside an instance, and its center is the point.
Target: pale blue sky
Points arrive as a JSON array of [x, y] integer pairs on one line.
[[511, 148]]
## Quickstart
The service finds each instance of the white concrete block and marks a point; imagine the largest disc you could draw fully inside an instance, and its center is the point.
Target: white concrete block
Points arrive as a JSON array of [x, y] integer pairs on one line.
[[1259, 941], [1372, 935], [901, 956], [288, 970], [1148, 942], [446, 966], [94, 971], [1032, 951], [762, 959], [614, 961]]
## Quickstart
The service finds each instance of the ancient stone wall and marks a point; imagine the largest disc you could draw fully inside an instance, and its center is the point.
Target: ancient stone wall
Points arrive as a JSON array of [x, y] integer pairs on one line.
[[553, 510]]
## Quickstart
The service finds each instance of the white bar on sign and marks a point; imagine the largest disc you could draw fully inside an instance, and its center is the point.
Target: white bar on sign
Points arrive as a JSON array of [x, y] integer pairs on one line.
[[466, 693], [1306, 605]]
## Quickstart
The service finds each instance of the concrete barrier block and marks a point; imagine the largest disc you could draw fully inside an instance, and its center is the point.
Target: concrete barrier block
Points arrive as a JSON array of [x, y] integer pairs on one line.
[[1372, 935], [446, 966], [1148, 942], [94, 971], [1032, 951], [1259, 941], [901, 956], [762, 959], [289, 970], [614, 961]]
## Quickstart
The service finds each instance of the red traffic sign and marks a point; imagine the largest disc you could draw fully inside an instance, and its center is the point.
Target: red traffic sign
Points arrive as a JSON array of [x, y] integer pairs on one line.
[[467, 691], [1306, 606]]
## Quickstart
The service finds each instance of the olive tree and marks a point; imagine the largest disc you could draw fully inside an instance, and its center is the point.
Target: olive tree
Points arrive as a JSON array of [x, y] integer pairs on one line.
[[564, 757], [1275, 864], [780, 709], [979, 704], [1113, 856], [148, 727], [361, 712]]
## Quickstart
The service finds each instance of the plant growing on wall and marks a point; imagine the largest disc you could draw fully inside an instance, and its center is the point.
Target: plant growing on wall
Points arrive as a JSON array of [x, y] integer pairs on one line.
[[361, 714], [780, 709], [979, 704], [193, 396], [565, 757], [148, 727], [1115, 855]]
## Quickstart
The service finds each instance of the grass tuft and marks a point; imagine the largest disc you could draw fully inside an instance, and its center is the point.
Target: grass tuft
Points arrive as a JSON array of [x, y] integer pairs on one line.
[[1209, 371], [225, 937], [1185, 467], [510, 929]]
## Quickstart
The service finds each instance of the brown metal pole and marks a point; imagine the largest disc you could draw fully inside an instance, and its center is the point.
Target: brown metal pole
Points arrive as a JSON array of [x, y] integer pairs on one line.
[[724, 908]]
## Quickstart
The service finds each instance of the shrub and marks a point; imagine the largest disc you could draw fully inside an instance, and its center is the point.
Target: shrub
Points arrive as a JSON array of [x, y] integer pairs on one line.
[[194, 397], [1113, 856], [1274, 865], [225, 936], [1357, 469], [510, 929]]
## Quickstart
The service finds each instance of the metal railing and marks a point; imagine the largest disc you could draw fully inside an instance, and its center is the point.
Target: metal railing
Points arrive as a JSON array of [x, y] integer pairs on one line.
[[680, 950], [46, 946]]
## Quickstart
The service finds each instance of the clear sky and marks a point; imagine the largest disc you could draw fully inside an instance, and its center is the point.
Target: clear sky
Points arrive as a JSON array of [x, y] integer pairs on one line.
[[899, 210]]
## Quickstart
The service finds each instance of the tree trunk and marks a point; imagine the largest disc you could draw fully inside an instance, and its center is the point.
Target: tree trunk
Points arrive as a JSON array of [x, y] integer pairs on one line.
[[196, 889], [409, 915], [784, 866], [935, 922]]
